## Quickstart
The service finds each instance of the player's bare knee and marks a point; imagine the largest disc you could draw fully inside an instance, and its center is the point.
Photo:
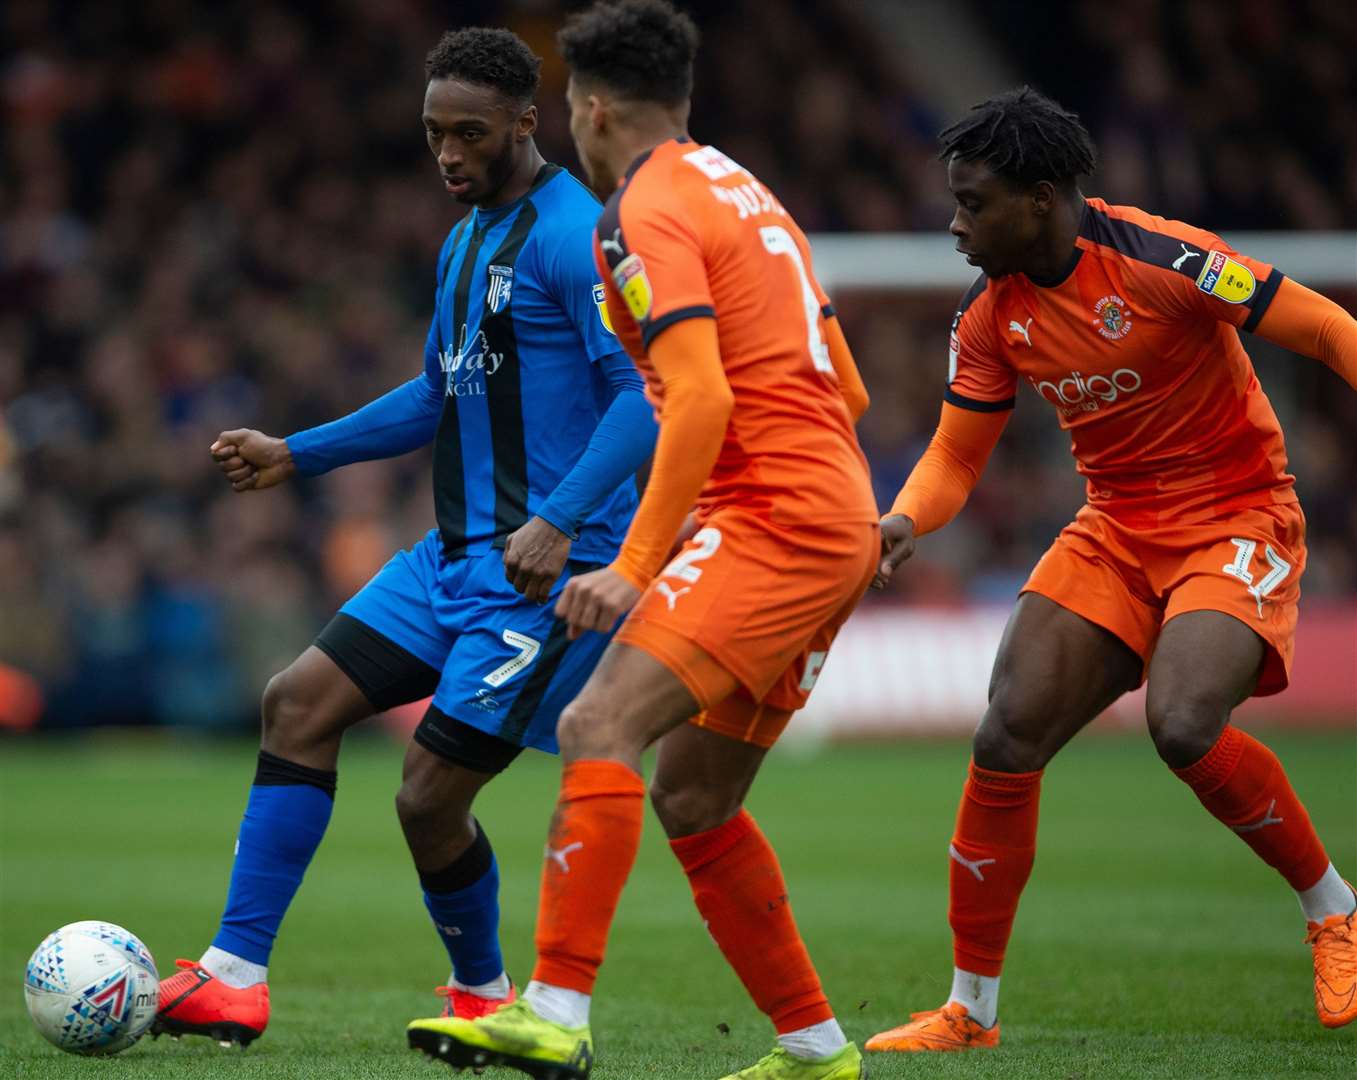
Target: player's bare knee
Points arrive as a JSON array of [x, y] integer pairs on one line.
[[429, 816], [1009, 739], [417, 811], [411, 807], [300, 717], [283, 714], [1184, 726], [587, 730], [686, 810]]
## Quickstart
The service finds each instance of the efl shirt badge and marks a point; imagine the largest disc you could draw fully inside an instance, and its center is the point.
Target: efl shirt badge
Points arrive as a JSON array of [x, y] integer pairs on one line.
[[501, 285], [601, 299], [1223, 277], [630, 278]]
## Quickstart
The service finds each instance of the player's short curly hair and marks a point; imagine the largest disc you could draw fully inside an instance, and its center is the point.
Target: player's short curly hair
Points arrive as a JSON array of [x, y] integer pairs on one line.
[[1024, 137], [486, 57], [643, 49]]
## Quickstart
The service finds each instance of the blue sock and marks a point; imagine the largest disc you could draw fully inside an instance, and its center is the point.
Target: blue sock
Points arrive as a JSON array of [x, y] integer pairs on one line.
[[285, 818], [463, 901]]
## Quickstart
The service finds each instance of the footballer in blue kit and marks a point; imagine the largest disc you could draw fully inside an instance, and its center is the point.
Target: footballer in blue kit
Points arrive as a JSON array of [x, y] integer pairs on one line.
[[539, 423]]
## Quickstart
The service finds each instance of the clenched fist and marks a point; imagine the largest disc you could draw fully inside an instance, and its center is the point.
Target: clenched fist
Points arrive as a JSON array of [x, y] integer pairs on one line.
[[252, 460]]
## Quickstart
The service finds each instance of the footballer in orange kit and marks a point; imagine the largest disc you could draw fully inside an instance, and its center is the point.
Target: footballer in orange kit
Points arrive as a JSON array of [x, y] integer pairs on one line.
[[1182, 570], [710, 288]]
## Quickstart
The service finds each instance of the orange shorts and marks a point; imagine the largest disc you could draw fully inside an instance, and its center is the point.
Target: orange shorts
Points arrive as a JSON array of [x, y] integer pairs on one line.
[[746, 612], [1132, 581]]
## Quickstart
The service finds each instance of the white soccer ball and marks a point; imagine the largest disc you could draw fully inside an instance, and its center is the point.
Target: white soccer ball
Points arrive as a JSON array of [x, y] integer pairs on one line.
[[91, 988]]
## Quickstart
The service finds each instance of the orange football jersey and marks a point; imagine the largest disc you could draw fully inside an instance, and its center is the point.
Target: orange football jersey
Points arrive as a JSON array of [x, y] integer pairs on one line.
[[1136, 348], [691, 234]]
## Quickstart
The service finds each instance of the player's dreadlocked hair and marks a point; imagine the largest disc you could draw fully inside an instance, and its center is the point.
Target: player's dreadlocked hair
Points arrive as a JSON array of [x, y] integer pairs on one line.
[[643, 49], [486, 57], [1024, 137]]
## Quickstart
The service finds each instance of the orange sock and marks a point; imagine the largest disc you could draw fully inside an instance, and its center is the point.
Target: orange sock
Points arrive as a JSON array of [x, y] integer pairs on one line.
[[992, 853], [590, 851], [739, 890], [1245, 787]]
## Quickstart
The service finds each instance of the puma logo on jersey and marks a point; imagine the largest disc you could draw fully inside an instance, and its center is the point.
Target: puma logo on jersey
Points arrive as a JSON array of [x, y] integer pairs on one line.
[[559, 857], [669, 594], [615, 244], [1022, 328], [972, 865], [1188, 253], [1262, 823]]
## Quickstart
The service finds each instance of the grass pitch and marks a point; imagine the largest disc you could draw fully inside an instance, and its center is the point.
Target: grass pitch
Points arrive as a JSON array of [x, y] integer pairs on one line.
[[1150, 943]]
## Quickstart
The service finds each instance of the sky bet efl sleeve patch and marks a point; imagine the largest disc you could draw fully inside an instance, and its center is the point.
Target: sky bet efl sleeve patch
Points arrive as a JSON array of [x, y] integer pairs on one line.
[[632, 282], [1226, 279], [601, 300]]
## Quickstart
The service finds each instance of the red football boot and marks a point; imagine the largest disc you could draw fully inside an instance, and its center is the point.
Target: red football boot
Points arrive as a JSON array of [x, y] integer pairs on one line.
[[468, 1006], [194, 1002]]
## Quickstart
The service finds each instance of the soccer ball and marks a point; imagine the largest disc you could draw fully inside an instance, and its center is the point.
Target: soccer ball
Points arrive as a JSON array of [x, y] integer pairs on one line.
[[91, 988]]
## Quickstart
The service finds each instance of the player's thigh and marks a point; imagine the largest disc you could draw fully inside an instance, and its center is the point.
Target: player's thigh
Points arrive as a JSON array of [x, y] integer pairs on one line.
[[633, 698], [1247, 568], [311, 701], [438, 787], [793, 686], [752, 595], [701, 778], [511, 670], [1205, 664], [387, 638], [1054, 672]]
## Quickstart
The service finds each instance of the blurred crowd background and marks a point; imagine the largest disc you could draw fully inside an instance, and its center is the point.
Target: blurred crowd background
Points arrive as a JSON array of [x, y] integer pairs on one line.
[[218, 216]]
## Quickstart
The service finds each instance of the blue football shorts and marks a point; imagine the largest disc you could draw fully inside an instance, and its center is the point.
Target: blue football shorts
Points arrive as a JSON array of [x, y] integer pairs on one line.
[[492, 659]]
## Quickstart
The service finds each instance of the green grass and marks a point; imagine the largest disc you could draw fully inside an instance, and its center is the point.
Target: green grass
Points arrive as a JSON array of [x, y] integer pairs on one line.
[[1151, 943]]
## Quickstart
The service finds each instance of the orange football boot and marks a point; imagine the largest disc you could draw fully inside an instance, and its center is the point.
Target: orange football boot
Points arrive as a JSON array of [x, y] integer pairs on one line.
[[194, 1002], [468, 1006], [948, 1028], [1334, 942]]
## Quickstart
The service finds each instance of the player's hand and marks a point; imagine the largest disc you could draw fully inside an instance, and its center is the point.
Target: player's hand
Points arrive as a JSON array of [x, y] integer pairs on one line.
[[534, 557], [594, 601], [897, 545], [252, 460]]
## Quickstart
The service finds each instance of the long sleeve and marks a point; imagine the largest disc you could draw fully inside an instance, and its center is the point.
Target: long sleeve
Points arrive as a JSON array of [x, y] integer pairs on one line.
[[624, 438], [395, 423], [1305, 322], [850, 382], [944, 477], [696, 403]]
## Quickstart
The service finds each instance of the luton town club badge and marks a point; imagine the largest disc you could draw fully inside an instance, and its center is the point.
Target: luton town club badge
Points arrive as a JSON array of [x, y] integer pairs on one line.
[[1114, 321]]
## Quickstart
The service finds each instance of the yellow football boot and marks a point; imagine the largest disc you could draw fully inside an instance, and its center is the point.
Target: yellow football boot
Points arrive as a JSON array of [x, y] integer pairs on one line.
[[513, 1036], [845, 1064]]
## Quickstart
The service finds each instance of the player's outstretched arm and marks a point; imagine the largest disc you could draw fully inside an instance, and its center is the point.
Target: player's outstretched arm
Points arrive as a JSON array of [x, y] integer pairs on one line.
[[399, 421], [939, 484], [535, 555], [696, 407], [1305, 322], [252, 460], [851, 386]]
